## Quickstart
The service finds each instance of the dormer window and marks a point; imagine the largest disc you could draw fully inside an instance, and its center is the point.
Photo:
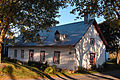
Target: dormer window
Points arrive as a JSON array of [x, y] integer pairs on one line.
[[57, 36]]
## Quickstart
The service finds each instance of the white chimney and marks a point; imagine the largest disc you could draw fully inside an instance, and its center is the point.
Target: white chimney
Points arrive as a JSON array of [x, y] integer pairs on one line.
[[87, 18]]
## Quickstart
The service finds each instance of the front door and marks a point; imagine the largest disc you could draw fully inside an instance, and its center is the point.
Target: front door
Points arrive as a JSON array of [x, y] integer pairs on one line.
[[92, 59], [31, 54]]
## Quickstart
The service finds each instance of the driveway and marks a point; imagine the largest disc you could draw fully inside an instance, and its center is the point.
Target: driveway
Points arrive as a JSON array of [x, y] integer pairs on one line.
[[111, 75]]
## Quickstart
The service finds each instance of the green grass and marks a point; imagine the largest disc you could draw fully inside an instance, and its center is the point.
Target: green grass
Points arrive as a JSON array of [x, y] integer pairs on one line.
[[27, 72], [22, 71]]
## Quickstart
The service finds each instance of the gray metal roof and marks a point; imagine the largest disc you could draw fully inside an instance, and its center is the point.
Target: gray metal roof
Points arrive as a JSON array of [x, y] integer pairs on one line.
[[74, 32]]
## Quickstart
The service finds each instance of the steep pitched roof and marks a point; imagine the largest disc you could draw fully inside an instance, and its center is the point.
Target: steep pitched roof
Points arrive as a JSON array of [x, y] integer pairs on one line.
[[73, 31]]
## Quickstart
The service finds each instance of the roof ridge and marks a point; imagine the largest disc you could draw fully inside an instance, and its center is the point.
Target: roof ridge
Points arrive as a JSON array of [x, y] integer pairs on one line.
[[68, 24]]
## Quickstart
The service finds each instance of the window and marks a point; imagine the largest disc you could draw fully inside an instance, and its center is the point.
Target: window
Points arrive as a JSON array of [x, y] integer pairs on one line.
[[92, 58], [31, 54], [92, 41], [42, 56], [22, 54], [56, 59], [15, 53]]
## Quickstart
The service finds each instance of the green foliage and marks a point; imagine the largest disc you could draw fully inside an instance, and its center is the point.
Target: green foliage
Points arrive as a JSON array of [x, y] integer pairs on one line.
[[28, 16], [108, 8], [39, 65], [49, 70], [8, 69], [6, 59], [81, 70], [111, 33]]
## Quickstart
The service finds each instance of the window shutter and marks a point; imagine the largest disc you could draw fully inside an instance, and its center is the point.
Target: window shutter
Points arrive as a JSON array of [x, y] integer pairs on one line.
[[59, 58]]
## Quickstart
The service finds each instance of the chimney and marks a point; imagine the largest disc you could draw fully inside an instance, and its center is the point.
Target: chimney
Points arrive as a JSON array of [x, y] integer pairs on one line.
[[87, 18]]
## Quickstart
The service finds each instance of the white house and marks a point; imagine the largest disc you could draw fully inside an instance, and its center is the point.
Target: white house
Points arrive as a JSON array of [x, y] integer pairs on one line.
[[66, 46]]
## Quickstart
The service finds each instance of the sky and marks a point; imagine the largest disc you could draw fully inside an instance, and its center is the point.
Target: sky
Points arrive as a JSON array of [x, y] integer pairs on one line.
[[67, 18]]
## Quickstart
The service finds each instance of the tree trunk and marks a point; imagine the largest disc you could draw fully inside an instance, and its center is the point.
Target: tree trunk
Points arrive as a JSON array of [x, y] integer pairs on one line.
[[118, 56], [0, 46]]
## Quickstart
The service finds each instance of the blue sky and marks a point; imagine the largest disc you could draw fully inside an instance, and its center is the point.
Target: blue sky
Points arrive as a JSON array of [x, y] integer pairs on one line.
[[67, 18]]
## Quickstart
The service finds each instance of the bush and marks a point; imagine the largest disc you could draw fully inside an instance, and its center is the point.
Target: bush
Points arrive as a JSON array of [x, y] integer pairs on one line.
[[39, 65], [81, 70], [8, 69], [49, 70], [6, 59]]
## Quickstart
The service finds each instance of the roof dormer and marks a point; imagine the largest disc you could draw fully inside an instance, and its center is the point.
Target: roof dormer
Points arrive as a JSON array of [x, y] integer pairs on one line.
[[57, 36]]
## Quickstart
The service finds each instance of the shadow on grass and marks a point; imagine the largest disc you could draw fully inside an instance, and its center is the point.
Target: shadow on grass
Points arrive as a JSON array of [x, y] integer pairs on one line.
[[43, 75], [61, 77], [9, 71]]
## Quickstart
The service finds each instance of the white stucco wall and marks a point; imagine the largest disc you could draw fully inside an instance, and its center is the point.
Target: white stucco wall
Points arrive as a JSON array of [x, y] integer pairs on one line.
[[67, 61], [83, 49]]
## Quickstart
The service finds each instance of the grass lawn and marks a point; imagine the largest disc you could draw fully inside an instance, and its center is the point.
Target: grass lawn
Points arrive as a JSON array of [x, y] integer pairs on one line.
[[21, 71], [17, 71], [28, 72]]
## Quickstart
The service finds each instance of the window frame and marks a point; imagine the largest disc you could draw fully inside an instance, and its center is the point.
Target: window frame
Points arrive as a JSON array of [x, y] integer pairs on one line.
[[42, 53], [93, 60], [22, 54], [15, 53], [58, 58]]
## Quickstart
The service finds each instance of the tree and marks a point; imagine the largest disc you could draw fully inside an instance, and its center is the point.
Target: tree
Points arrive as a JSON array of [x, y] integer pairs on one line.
[[27, 15], [112, 36], [107, 8]]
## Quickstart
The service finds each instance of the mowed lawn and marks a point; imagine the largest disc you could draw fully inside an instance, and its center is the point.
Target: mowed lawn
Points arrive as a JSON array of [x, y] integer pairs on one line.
[[16, 71]]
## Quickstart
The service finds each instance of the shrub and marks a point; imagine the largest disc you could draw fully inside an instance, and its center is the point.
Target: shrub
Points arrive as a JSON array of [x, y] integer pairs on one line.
[[6, 59], [49, 70], [39, 65], [65, 71], [81, 70], [8, 69]]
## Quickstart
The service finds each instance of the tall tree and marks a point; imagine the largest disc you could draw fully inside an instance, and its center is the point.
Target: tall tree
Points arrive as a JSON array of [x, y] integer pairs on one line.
[[112, 36], [30, 15]]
